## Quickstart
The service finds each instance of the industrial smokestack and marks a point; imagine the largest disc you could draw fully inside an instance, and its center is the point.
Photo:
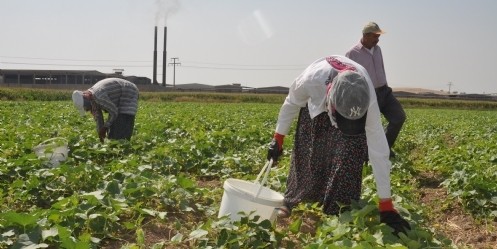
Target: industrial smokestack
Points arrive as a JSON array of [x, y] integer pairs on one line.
[[164, 58], [154, 81]]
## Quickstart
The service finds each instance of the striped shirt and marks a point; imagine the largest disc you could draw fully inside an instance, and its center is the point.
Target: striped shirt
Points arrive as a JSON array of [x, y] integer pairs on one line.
[[372, 61], [115, 96]]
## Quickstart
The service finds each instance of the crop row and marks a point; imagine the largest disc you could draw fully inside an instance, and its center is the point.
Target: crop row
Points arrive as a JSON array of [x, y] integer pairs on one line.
[[461, 147], [104, 192]]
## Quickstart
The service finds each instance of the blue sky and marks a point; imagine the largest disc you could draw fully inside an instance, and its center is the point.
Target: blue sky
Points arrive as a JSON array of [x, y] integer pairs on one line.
[[428, 43]]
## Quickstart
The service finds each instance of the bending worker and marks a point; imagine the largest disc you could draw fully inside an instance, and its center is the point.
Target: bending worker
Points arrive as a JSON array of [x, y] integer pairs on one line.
[[338, 127], [117, 97]]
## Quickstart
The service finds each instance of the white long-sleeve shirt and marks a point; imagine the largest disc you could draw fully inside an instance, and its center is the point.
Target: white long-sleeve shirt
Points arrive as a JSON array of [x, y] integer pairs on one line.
[[310, 88]]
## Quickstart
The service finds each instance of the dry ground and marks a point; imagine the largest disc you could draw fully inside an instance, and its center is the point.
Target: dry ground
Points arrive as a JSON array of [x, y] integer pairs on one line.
[[449, 218]]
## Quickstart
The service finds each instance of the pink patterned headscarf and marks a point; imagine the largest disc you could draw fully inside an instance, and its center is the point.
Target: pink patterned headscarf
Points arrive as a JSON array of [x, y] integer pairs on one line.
[[338, 65]]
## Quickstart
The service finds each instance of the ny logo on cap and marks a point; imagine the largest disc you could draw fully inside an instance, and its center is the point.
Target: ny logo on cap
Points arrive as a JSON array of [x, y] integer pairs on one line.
[[355, 111]]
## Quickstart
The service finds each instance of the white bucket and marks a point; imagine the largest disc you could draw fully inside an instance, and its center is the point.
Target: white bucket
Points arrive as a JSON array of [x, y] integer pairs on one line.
[[240, 195], [53, 150]]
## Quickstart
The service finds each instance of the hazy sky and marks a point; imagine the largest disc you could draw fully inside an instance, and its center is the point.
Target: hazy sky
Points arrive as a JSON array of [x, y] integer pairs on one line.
[[428, 44]]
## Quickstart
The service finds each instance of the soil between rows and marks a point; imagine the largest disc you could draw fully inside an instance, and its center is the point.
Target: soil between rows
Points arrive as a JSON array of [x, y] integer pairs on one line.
[[447, 217]]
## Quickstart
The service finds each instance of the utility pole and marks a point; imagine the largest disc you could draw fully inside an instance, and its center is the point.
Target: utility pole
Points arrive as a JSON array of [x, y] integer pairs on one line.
[[174, 63], [450, 85]]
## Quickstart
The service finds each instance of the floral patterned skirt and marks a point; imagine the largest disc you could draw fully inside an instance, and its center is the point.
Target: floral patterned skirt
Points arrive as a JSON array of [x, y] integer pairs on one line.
[[326, 165]]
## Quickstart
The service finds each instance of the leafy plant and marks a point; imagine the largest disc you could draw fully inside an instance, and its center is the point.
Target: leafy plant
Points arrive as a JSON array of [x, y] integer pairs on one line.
[[171, 173]]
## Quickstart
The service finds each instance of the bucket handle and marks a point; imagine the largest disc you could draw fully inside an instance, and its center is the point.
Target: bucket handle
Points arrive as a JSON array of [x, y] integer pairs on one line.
[[52, 139], [42, 144], [266, 169]]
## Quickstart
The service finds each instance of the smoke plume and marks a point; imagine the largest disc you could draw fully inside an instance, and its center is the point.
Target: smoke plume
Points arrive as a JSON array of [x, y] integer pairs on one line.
[[164, 10]]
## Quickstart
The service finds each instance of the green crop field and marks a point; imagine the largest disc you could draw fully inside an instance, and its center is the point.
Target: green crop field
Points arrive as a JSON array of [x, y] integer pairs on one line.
[[163, 189]]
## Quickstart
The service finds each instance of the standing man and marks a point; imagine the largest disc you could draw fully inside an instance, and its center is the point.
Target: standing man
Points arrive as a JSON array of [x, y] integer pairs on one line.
[[368, 54], [116, 96]]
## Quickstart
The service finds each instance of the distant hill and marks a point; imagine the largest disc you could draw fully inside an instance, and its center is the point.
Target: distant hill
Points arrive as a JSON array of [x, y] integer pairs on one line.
[[418, 90]]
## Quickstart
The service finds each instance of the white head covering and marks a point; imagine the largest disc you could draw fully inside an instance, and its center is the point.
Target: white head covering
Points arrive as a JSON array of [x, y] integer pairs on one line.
[[349, 95], [79, 102]]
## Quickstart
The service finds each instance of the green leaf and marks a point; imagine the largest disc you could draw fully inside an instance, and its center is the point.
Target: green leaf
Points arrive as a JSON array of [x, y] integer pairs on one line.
[[341, 230], [85, 237], [113, 187], [35, 246], [97, 194], [144, 167], [52, 232], [21, 218], [396, 246], [159, 245], [295, 226], [345, 217], [140, 237], [197, 234], [413, 244], [265, 224], [24, 240], [177, 238], [8, 233], [366, 210], [222, 238], [162, 215], [64, 233], [148, 211], [185, 182]]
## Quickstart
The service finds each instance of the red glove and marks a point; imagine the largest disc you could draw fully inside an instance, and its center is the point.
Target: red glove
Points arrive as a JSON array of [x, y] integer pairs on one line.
[[279, 138], [392, 218], [386, 205], [275, 148]]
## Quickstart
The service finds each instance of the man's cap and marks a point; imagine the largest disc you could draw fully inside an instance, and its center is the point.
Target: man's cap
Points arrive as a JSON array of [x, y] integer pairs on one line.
[[349, 95], [372, 27], [79, 102]]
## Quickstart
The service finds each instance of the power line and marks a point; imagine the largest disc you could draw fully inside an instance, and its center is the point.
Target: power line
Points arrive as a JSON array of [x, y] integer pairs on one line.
[[69, 65], [231, 65], [242, 65], [221, 66], [146, 66], [174, 63], [59, 59], [249, 69]]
